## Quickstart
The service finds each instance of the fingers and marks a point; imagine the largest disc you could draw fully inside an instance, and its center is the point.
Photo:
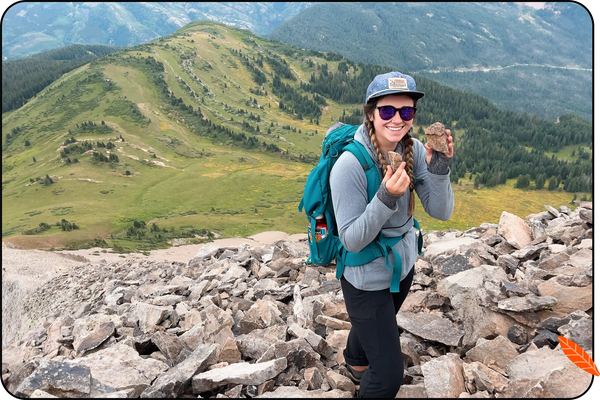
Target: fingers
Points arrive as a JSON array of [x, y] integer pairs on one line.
[[398, 183], [388, 174], [450, 146]]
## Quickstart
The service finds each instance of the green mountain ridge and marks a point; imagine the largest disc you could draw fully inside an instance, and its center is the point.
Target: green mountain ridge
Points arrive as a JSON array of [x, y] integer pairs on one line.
[[514, 55], [26, 77], [213, 131]]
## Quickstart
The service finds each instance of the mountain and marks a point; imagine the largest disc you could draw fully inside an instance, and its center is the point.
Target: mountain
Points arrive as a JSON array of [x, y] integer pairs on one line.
[[212, 131], [30, 27], [26, 77], [514, 55]]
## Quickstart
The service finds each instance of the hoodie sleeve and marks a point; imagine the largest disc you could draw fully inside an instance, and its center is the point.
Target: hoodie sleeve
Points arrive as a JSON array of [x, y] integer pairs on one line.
[[434, 191], [359, 221]]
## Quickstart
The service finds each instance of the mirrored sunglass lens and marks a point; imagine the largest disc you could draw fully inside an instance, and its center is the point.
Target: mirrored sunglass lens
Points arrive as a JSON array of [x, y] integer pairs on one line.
[[407, 113], [387, 112]]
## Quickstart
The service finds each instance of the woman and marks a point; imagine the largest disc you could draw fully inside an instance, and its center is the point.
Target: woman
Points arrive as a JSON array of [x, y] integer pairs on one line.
[[372, 353]]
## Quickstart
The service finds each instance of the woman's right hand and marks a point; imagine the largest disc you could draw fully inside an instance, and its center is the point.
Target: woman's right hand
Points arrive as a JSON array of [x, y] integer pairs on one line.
[[397, 183]]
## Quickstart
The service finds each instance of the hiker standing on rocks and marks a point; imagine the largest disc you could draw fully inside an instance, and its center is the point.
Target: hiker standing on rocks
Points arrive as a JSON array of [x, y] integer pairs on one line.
[[373, 357]]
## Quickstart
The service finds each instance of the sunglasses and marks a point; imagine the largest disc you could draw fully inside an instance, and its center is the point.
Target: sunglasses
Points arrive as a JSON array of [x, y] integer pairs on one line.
[[406, 113]]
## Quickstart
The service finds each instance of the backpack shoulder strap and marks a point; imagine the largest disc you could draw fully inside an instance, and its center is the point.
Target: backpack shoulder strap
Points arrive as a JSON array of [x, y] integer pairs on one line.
[[365, 160]]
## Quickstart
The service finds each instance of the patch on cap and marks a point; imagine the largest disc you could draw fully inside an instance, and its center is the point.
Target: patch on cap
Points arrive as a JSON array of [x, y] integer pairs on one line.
[[398, 83]]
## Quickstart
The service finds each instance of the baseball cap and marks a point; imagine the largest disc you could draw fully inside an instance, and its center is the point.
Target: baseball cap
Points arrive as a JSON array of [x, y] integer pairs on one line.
[[393, 82]]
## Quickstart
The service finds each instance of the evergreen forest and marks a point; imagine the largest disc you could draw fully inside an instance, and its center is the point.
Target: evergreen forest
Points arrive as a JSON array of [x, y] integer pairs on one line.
[[24, 78]]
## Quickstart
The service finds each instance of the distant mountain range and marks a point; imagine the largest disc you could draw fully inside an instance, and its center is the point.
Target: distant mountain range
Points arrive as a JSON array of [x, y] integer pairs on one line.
[[536, 60], [514, 55], [31, 27]]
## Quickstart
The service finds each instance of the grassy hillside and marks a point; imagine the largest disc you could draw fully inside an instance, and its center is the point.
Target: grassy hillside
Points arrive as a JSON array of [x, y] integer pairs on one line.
[[176, 139]]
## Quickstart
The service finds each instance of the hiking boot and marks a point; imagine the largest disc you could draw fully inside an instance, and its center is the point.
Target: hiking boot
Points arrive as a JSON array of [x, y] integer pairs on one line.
[[353, 374]]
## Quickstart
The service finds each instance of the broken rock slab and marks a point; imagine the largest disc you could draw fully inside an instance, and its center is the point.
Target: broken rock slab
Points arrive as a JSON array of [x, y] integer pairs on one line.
[[530, 302], [175, 381], [430, 327], [58, 378], [240, 373]]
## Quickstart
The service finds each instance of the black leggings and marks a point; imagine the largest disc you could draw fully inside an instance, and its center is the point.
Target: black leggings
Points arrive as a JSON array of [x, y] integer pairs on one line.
[[373, 338]]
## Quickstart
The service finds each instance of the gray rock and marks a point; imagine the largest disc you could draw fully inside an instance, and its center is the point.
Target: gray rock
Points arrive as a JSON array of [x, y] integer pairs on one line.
[[120, 367], [527, 303], [464, 294], [553, 211], [499, 351], [444, 376], [94, 338], [296, 393], [447, 247], [546, 368], [517, 334], [586, 215], [430, 327], [454, 264], [545, 338], [515, 230], [58, 378], [175, 381], [241, 373], [579, 331]]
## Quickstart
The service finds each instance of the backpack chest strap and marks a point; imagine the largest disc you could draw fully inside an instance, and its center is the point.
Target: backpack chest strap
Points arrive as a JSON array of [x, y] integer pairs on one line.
[[380, 247]]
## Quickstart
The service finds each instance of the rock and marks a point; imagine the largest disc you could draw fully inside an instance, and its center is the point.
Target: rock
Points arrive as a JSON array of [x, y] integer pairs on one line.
[[499, 351], [517, 334], [413, 391], [543, 367], [586, 215], [341, 382], [553, 211], [333, 323], [120, 367], [515, 230], [175, 381], [60, 379], [580, 332], [240, 373], [295, 393], [447, 247], [261, 315], [430, 327], [436, 137], [477, 304], [528, 303], [568, 298], [444, 376]]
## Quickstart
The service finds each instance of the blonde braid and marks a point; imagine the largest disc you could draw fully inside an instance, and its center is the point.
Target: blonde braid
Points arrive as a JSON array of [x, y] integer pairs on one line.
[[382, 159], [407, 143]]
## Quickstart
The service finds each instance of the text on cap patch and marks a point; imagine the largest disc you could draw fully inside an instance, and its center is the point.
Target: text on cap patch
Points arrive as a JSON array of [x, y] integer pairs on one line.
[[397, 83]]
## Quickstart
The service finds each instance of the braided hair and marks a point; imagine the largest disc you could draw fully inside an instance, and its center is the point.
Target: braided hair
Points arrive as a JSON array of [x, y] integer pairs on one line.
[[407, 144]]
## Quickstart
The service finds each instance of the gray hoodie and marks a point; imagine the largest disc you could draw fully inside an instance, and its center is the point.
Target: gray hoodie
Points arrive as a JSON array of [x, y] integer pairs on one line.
[[359, 221]]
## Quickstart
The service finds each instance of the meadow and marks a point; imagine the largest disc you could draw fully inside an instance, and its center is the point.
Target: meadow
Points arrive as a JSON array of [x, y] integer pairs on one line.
[[173, 172]]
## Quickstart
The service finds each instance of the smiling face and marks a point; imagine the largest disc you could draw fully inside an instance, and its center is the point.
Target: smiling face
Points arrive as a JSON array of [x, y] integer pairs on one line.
[[390, 132]]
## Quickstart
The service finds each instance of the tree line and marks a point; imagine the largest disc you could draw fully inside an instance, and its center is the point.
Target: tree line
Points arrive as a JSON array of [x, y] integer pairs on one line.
[[24, 78], [495, 145]]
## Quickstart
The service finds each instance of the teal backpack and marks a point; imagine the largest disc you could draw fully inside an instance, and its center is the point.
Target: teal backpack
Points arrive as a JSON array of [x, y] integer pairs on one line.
[[316, 201]]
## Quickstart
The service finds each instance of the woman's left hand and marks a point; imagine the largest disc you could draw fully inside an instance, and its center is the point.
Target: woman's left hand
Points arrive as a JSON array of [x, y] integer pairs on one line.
[[448, 154]]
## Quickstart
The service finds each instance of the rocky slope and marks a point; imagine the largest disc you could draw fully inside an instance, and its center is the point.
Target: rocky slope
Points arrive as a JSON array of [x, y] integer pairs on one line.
[[482, 320]]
